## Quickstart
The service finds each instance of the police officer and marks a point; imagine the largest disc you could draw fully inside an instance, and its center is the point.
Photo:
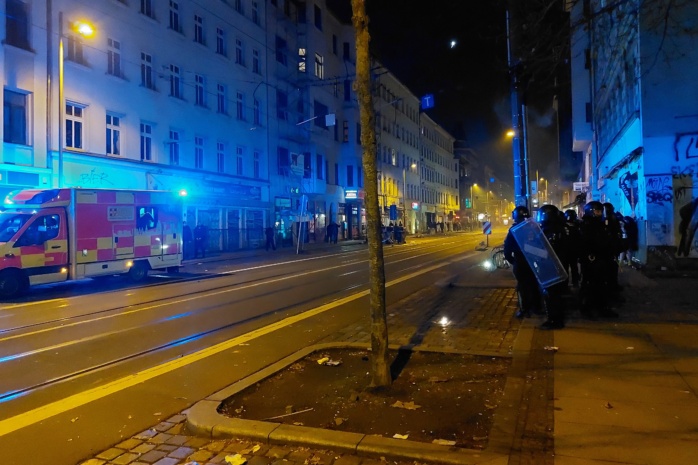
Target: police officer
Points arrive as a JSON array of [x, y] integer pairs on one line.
[[526, 283], [615, 233], [572, 223], [596, 250], [553, 226]]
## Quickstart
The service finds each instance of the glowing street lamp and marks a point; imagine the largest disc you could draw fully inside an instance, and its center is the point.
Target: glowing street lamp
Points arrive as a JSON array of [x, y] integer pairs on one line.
[[86, 30]]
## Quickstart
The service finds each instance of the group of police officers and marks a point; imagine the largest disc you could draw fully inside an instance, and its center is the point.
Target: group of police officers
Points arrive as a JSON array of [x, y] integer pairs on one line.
[[591, 245]]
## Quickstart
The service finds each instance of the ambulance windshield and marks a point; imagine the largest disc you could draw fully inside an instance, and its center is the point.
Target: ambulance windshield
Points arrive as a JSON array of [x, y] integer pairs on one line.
[[10, 223]]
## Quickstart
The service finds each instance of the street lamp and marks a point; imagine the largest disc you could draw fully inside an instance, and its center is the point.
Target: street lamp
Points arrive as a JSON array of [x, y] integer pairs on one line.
[[85, 30]]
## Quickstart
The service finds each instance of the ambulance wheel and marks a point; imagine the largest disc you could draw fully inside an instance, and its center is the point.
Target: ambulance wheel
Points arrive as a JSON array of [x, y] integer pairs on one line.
[[12, 283], [138, 272]]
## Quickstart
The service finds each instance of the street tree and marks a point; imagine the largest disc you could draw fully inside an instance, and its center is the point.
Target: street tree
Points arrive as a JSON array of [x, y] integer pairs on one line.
[[379, 326]]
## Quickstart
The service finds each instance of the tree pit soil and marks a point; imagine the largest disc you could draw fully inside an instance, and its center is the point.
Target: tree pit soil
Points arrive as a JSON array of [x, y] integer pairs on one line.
[[435, 397]]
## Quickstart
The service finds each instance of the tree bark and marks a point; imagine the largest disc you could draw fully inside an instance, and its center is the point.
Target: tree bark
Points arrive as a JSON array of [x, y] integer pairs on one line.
[[379, 327]]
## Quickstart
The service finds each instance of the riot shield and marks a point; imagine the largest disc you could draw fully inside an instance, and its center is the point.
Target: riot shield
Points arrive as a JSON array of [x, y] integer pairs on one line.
[[539, 253]]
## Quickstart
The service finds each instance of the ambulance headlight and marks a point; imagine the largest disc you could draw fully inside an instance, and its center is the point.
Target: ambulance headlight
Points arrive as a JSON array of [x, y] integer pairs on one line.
[[129, 264], [64, 270]]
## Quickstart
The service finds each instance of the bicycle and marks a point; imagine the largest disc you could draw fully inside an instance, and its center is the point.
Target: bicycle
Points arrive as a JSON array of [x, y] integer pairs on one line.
[[497, 258]]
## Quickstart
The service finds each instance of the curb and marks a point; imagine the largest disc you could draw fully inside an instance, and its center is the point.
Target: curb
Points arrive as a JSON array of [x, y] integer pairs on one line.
[[203, 419]]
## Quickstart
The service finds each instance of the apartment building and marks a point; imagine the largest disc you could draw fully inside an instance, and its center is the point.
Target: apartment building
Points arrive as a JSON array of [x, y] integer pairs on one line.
[[246, 105], [635, 117]]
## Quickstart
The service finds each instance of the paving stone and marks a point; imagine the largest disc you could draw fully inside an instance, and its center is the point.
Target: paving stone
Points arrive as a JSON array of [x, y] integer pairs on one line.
[[179, 418], [163, 426], [167, 461], [129, 444], [177, 440], [299, 456], [110, 454], [143, 448], [160, 438], [259, 460], [219, 458], [94, 462], [125, 459], [277, 453], [181, 452], [216, 446], [200, 456], [166, 448], [196, 443], [147, 434], [348, 460], [176, 429], [152, 456]]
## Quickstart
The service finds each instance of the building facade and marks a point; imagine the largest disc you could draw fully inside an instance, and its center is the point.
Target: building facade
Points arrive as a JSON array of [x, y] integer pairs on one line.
[[635, 117], [246, 105]]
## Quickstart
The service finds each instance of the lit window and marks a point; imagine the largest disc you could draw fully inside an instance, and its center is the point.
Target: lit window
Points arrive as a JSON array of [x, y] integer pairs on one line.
[[301, 60], [319, 66]]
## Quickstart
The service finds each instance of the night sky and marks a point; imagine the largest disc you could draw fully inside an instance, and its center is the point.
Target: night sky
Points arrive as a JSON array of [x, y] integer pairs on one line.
[[470, 81]]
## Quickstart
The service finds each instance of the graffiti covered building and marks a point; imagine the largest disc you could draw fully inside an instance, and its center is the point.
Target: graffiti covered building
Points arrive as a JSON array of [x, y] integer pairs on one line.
[[635, 118]]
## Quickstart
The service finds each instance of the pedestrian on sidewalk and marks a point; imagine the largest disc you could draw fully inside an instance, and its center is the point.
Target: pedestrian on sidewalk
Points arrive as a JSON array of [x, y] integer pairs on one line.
[[200, 238], [187, 241], [269, 233], [526, 284]]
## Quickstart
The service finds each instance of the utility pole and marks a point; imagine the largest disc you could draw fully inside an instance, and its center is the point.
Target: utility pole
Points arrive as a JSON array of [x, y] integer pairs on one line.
[[522, 188]]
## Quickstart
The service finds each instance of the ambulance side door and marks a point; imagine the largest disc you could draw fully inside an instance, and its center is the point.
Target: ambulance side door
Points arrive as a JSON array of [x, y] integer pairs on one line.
[[43, 248]]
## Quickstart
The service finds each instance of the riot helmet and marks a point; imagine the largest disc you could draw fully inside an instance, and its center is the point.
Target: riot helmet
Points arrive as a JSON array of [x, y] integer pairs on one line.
[[571, 215], [547, 214], [520, 214], [593, 208]]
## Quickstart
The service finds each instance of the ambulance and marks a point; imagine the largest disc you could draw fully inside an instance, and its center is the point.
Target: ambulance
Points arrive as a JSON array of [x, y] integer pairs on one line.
[[55, 235]]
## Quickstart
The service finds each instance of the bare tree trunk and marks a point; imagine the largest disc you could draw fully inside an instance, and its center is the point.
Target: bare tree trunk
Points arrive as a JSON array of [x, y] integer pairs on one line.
[[379, 326]]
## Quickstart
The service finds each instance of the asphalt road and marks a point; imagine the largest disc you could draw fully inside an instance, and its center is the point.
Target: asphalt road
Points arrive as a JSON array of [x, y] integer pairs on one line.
[[83, 366]]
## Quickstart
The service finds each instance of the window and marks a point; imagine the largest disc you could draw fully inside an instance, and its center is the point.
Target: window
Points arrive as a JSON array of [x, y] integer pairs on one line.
[[220, 157], [113, 134], [280, 50], [347, 90], [283, 161], [256, 67], [334, 44], [239, 7], [346, 51], [239, 154], [200, 90], [17, 23], [240, 106], [199, 30], [256, 160], [147, 218], [175, 82], [345, 131], [358, 133], [114, 57], [221, 48], [255, 12], [318, 166], [73, 51], [336, 173], [319, 66], [147, 71], [301, 60], [14, 108], [257, 113], [174, 147], [350, 176], [359, 176], [146, 142], [222, 98], [74, 118], [199, 153], [239, 52], [320, 111], [175, 23], [147, 8], [318, 17], [281, 105]]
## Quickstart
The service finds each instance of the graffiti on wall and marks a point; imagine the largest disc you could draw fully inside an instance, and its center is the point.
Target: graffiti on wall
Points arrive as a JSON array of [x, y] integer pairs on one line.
[[628, 184], [686, 146], [659, 190], [95, 178]]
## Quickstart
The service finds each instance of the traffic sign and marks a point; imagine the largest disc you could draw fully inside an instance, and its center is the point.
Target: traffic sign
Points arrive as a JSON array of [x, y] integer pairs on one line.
[[487, 228]]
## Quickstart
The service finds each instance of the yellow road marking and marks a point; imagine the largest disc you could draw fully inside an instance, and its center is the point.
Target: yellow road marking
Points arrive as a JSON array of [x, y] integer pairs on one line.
[[77, 400]]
